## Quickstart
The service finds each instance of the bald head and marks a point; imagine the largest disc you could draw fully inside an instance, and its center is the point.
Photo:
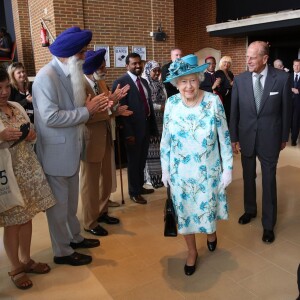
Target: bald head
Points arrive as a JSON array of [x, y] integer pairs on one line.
[[176, 53], [257, 56], [278, 64]]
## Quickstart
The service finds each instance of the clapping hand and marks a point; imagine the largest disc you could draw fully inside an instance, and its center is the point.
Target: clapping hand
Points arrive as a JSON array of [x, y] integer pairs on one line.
[[97, 104], [119, 93], [123, 111]]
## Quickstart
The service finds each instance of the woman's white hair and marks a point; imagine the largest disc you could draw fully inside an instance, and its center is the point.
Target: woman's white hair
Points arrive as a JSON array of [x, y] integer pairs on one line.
[[199, 74]]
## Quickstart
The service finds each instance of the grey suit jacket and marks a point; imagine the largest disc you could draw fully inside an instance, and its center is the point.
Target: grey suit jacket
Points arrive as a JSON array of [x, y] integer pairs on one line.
[[57, 121], [268, 128]]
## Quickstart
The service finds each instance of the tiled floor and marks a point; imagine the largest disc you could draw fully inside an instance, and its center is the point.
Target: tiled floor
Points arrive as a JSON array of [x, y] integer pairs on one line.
[[135, 261]]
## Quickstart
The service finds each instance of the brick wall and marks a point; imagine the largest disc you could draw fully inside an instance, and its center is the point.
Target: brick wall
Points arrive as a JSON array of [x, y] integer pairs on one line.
[[123, 23], [23, 36], [114, 23], [129, 23], [190, 28]]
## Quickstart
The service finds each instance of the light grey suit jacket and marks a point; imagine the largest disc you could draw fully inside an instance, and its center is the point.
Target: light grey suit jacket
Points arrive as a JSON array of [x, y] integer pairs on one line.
[[57, 121]]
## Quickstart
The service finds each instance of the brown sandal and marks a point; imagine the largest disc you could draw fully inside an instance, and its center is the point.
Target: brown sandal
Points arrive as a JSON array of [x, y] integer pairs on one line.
[[36, 268], [20, 279]]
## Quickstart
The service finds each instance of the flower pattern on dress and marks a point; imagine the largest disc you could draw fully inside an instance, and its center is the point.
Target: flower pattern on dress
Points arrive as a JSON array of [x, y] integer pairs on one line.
[[190, 154]]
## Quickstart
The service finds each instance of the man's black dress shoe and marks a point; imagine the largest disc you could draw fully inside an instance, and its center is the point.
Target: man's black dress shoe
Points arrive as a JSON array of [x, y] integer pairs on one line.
[[190, 270], [86, 243], [105, 218], [268, 236], [98, 230], [138, 199], [246, 218], [158, 185], [146, 191], [75, 259], [294, 143], [212, 245]]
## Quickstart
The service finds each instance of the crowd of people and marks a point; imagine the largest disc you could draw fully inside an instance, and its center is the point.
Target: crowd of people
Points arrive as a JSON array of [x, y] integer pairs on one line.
[[180, 123]]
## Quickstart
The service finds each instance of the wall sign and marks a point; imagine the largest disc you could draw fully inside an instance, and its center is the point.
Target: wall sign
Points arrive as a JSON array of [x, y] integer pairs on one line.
[[141, 50], [120, 54]]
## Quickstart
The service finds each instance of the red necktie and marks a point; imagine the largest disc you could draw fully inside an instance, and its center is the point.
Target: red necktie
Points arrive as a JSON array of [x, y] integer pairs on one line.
[[143, 96]]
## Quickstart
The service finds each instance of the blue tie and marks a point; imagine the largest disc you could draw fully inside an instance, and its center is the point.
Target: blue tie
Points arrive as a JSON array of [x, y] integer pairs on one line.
[[296, 81]]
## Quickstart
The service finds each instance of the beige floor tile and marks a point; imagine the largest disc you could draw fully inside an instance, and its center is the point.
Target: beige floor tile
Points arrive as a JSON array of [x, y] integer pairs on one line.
[[206, 282], [157, 289], [285, 255], [272, 284], [123, 276], [238, 263], [136, 262]]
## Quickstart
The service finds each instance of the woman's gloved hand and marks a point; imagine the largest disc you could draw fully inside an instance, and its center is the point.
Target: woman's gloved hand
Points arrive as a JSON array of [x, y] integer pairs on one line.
[[165, 178], [226, 178]]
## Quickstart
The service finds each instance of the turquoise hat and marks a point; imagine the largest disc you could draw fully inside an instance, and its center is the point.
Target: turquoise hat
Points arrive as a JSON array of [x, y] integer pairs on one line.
[[185, 66]]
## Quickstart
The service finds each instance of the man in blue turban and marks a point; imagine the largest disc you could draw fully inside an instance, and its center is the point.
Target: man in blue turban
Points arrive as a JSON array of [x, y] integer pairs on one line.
[[62, 108], [96, 161]]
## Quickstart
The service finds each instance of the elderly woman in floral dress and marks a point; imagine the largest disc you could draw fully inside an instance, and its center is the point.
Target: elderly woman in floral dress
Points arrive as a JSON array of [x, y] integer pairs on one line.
[[196, 156]]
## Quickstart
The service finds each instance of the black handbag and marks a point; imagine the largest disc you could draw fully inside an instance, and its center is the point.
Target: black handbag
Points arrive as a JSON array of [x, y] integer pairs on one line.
[[170, 217]]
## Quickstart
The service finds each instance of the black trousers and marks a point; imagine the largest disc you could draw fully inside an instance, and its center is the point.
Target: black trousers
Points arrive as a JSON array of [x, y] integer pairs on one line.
[[136, 161], [298, 279], [269, 190]]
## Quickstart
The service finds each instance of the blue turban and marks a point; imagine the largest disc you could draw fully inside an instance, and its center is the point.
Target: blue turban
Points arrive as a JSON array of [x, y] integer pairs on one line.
[[93, 61], [70, 42]]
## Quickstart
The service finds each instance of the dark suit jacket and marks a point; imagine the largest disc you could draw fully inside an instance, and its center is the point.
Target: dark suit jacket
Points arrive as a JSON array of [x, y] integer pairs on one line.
[[170, 88], [136, 124], [268, 128], [208, 82], [225, 87], [297, 86]]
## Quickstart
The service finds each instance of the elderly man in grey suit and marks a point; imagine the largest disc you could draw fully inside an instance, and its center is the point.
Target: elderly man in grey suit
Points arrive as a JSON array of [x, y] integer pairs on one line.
[[259, 128], [61, 110]]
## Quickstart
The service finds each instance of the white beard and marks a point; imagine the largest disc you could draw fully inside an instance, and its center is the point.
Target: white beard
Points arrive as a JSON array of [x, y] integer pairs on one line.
[[99, 76], [76, 73]]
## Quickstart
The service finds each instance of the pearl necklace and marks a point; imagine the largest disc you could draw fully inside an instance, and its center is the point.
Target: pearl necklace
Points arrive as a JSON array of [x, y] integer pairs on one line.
[[194, 103]]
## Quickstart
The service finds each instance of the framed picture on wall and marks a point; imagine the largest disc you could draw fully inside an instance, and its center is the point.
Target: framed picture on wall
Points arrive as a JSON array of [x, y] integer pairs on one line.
[[106, 57], [141, 50], [120, 53]]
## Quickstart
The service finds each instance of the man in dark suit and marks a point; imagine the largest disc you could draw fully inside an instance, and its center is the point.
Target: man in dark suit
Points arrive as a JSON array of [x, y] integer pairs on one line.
[[170, 88], [210, 82], [295, 82], [259, 127], [136, 129]]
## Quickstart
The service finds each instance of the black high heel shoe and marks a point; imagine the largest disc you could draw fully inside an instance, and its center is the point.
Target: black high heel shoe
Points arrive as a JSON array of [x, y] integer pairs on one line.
[[190, 270], [212, 245]]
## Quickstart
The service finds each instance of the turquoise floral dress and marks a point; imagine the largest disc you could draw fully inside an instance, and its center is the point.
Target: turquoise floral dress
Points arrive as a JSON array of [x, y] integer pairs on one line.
[[195, 149]]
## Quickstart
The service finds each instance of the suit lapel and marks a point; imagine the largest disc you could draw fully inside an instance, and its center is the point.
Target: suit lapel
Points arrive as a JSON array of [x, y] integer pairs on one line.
[[88, 88], [249, 91], [269, 83], [133, 86], [66, 81]]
